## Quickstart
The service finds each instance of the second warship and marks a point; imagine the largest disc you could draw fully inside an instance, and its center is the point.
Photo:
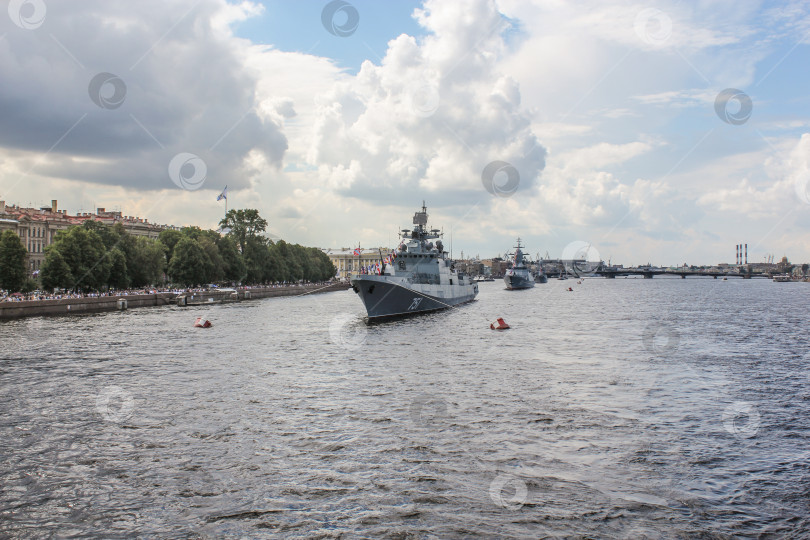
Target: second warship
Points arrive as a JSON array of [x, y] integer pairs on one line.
[[519, 276]]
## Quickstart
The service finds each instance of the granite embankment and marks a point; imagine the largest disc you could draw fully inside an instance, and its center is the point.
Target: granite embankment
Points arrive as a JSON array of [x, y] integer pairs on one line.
[[66, 306]]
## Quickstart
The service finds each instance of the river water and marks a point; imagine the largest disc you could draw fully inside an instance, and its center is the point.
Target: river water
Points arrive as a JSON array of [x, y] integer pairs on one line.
[[631, 408]]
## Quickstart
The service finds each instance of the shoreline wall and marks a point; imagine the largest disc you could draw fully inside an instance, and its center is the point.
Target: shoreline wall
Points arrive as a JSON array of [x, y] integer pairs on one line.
[[66, 306]]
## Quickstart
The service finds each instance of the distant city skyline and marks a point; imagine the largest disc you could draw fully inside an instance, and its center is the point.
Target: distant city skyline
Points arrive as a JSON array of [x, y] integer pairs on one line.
[[663, 133]]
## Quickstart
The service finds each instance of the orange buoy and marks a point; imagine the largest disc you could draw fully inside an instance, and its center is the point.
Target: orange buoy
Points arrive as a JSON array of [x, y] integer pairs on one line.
[[202, 322], [500, 324]]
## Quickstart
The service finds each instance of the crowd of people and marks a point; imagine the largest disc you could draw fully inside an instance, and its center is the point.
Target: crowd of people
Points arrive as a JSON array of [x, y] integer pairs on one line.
[[42, 295]]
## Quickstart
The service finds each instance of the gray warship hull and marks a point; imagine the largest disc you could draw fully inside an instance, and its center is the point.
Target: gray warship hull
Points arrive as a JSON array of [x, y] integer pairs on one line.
[[387, 297], [518, 280]]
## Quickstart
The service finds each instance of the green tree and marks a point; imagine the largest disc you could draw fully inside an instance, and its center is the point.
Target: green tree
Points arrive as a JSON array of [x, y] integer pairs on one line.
[[169, 238], [192, 232], [146, 262], [257, 261], [234, 265], [119, 278], [110, 236], [189, 263], [275, 265], [243, 225], [299, 253], [291, 267], [55, 272], [84, 252], [13, 262], [215, 271], [322, 267], [126, 243], [329, 270]]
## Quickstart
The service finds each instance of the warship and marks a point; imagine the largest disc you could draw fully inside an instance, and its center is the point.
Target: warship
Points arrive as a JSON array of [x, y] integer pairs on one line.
[[540, 275], [419, 278], [518, 277]]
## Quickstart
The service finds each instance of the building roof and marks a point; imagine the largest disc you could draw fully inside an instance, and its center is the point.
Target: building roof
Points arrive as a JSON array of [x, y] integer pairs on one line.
[[47, 215]]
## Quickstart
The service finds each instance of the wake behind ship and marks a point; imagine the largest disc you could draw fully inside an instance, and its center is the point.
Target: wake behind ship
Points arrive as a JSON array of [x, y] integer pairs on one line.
[[418, 279]]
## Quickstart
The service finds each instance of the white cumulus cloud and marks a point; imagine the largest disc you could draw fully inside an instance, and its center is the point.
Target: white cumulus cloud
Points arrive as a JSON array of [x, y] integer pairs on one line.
[[430, 116]]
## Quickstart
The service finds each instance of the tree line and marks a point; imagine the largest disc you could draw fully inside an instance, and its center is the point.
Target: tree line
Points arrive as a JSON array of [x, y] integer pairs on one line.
[[95, 257]]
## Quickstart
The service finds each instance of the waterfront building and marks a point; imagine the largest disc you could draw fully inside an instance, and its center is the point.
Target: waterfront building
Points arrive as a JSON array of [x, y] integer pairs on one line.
[[497, 266], [37, 227], [784, 266], [348, 262], [472, 267]]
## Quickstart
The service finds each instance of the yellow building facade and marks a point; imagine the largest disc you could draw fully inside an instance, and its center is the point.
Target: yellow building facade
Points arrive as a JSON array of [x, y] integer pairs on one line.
[[348, 264]]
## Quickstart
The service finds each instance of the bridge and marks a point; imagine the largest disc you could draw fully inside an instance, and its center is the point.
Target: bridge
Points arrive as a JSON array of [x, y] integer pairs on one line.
[[578, 268], [648, 273]]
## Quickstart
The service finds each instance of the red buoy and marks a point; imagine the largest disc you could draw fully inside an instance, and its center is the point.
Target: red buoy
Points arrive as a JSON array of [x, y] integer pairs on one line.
[[202, 322], [570, 289], [500, 324]]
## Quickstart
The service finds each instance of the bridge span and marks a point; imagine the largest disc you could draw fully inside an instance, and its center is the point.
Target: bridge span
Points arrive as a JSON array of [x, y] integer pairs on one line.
[[648, 273]]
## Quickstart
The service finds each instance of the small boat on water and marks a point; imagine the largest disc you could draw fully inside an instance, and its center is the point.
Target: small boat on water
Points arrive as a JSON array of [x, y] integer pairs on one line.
[[541, 278]]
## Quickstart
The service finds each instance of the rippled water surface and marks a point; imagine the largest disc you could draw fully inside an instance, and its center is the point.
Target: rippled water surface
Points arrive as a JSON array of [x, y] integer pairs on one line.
[[631, 408]]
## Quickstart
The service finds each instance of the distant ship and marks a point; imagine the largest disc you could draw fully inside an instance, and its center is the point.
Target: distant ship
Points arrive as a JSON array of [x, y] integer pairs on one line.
[[418, 279], [518, 277]]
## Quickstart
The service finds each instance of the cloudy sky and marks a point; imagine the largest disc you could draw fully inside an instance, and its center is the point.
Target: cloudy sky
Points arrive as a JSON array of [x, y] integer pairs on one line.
[[661, 132]]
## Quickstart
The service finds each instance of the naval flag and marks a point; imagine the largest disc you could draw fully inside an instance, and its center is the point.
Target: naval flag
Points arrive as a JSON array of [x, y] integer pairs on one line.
[[223, 195]]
